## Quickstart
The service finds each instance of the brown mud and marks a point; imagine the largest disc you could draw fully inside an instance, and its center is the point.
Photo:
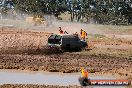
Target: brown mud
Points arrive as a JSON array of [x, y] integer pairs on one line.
[[67, 63], [35, 86], [13, 40], [24, 50]]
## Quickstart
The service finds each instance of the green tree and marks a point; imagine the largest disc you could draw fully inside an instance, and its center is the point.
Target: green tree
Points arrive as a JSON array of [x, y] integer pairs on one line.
[[54, 7]]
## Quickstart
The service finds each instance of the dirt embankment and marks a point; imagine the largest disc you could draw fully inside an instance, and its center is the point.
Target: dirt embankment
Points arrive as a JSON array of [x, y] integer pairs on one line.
[[68, 63], [18, 41]]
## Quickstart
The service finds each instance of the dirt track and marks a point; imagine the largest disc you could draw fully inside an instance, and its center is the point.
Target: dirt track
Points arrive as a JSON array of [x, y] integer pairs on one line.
[[40, 86], [17, 41], [67, 63], [35, 86], [16, 45]]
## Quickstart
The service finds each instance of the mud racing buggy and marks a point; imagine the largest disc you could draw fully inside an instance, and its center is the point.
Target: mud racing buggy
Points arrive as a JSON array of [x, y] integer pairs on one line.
[[66, 42]]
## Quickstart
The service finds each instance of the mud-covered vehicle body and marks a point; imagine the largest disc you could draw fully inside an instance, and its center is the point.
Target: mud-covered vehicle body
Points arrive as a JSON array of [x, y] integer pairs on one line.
[[66, 42]]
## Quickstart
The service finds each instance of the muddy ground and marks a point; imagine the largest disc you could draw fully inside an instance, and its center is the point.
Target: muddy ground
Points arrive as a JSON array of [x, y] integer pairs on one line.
[[67, 63], [14, 40], [23, 50], [41, 86], [35, 86]]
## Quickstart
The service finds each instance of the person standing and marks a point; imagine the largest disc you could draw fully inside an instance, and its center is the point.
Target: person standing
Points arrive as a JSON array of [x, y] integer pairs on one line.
[[83, 35], [84, 79], [85, 73], [61, 31]]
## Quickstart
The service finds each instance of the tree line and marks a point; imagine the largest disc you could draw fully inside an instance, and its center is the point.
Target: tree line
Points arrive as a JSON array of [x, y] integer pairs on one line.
[[97, 11]]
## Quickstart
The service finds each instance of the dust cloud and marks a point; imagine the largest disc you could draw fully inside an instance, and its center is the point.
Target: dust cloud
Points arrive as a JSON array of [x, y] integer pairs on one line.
[[71, 27], [51, 24]]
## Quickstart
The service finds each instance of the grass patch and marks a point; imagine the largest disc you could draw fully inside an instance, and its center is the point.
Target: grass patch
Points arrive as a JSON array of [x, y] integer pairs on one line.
[[115, 28], [96, 36]]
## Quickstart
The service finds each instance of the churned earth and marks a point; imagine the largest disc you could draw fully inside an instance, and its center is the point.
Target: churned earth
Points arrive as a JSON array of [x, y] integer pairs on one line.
[[24, 50], [67, 63], [41, 86], [34, 86]]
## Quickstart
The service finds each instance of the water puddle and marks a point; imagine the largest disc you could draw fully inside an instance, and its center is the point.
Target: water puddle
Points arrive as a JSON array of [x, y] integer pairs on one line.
[[46, 78]]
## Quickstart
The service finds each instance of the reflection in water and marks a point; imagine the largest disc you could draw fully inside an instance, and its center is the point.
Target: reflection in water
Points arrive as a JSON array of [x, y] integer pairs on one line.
[[45, 78]]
